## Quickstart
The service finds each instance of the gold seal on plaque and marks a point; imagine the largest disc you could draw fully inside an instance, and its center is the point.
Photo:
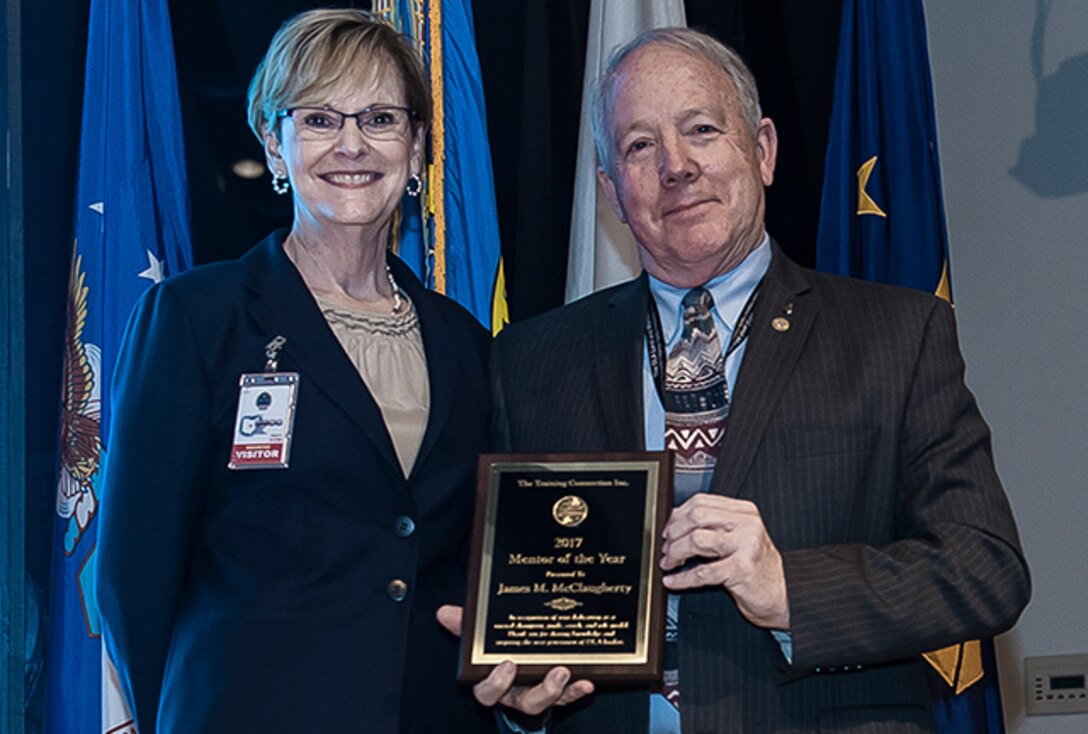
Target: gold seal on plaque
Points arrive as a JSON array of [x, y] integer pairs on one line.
[[570, 511], [563, 604]]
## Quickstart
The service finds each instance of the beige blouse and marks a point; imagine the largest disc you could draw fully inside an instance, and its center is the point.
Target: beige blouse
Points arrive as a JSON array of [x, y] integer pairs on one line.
[[387, 351]]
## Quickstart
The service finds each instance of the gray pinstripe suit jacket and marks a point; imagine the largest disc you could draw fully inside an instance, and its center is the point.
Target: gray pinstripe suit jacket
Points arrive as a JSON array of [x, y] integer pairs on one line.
[[855, 435]]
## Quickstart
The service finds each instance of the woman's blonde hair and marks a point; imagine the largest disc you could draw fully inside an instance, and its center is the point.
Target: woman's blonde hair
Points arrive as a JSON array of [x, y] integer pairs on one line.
[[316, 50]]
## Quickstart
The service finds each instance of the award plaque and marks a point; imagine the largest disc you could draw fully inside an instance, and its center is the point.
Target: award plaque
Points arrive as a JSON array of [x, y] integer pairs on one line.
[[565, 566]]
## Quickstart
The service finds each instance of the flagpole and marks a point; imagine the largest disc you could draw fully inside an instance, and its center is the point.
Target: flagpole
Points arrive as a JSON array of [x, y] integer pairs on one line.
[[13, 379]]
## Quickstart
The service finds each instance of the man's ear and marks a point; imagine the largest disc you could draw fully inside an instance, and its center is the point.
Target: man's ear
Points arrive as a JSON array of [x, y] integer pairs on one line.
[[610, 191], [766, 149]]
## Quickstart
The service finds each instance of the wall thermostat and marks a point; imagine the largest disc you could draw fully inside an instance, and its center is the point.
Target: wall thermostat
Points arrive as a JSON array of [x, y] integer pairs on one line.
[[1057, 684]]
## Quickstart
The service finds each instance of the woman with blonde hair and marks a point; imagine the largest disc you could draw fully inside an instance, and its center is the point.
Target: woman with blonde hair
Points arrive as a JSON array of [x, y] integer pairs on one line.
[[289, 479]]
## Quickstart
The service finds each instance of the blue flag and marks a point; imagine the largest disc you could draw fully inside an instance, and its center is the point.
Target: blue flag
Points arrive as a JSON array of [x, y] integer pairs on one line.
[[131, 230], [882, 215], [882, 219], [451, 238]]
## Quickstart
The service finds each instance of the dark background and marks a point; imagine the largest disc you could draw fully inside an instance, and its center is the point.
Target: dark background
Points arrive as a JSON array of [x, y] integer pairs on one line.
[[532, 55]]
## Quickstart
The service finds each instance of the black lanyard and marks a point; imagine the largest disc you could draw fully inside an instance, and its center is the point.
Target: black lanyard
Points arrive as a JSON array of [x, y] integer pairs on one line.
[[655, 341]]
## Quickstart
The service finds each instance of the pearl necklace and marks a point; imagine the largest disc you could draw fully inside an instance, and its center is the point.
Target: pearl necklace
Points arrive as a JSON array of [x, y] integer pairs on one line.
[[397, 301]]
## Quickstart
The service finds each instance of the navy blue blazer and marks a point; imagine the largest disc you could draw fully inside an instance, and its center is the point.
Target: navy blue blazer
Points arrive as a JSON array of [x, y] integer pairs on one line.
[[854, 434], [259, 600]]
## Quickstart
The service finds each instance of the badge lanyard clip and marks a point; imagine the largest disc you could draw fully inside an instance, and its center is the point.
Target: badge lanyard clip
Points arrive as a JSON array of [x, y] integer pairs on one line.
[[271, 351]]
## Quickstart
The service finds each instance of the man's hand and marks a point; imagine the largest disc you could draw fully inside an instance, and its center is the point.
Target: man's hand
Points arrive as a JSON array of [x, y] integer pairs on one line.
[[499, 688], [729, 539]]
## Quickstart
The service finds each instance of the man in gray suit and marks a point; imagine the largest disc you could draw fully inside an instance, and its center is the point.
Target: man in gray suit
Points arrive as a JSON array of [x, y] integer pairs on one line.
[[850, 518]]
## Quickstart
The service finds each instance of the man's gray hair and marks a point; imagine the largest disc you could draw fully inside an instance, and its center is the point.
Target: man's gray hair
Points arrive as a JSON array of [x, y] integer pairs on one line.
[[694, 42]]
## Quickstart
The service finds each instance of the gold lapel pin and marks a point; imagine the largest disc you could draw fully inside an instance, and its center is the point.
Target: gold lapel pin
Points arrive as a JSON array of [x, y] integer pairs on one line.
[[781, 323]]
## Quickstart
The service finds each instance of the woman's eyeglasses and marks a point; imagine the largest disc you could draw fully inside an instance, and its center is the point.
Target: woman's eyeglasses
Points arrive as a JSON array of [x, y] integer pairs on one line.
[[381, 122]]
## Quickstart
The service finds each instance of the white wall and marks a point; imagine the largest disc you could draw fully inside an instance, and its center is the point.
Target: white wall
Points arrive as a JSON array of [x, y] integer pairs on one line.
[[1018, 225]]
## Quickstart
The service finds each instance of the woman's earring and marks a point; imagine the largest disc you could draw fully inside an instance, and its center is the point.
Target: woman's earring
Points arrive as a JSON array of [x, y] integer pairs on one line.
[[280, 184], [414, 185]]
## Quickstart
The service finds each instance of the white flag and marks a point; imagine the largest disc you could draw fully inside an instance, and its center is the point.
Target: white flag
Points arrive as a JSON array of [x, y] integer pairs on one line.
[[602, 250]]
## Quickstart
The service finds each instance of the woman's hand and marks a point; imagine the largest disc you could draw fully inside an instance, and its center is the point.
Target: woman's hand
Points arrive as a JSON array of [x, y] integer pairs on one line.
[[498, 687]]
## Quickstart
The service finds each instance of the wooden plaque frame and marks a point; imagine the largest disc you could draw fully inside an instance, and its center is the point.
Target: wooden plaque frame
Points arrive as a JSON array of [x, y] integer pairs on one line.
[[565, 566]]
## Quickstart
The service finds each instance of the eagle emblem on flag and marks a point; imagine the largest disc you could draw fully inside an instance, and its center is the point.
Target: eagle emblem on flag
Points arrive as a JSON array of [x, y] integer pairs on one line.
[[80, 440]]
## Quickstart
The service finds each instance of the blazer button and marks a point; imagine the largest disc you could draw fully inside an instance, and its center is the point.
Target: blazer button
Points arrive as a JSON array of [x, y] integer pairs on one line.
[[404, 526], [397, 590]]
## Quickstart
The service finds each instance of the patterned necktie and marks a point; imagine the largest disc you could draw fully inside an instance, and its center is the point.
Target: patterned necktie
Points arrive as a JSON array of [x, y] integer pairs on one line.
[[696, 400], [696, 396]]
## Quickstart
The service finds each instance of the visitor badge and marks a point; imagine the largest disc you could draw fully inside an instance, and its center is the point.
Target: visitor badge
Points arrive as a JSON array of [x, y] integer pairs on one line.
[[262, 428]]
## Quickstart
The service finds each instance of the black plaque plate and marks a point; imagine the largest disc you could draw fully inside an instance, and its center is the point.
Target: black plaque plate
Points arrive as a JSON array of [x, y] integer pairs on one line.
[[565, 566]]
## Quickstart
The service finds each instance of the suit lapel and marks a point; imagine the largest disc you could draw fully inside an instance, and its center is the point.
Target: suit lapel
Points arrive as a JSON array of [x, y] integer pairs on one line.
[[282, 305], [619, 340], [769, 359], [441, 350]]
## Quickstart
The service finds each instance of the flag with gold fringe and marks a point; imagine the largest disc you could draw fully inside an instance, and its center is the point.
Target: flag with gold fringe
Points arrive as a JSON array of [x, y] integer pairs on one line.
[[450, 236], [882, 219], [131, 230]]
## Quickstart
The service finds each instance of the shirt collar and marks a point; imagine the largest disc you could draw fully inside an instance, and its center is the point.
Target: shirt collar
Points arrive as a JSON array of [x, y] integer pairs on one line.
[[730, 291]]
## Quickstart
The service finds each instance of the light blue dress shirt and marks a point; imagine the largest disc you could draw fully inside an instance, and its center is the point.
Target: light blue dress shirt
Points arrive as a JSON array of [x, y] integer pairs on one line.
[[730, 291]]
